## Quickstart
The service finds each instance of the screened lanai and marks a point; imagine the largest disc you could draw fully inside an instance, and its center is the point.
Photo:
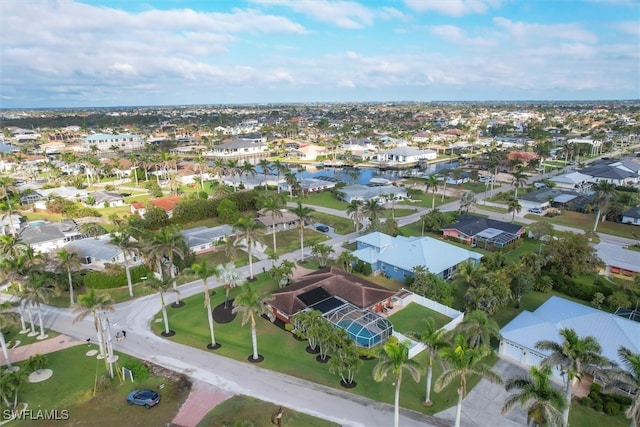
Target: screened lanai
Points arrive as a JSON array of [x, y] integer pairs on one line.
[[365, 327]]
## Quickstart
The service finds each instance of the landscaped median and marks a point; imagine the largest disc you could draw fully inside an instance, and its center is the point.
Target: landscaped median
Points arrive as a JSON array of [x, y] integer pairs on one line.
[[284, 353]]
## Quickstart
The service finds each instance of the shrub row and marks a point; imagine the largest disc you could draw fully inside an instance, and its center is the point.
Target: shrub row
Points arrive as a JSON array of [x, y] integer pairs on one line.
[[101, 280]]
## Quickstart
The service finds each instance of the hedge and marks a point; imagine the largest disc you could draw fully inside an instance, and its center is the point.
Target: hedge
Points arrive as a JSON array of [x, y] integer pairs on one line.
[[100, 280]]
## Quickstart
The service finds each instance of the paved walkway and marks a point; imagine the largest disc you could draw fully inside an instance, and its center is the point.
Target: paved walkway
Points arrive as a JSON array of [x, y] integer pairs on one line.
[[49, 345], [202, 399]]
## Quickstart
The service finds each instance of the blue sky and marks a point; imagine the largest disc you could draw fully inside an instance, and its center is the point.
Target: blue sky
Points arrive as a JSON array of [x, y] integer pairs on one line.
[[115, 53]]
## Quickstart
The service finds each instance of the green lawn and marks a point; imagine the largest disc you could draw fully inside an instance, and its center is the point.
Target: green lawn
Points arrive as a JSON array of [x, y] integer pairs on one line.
[[412, 318], [285, 354], [582, 416], [424, 201], [244, 408], [289, 240], [325, 199], [476, 187], [493, 209], [71, 388], [586, 221], [340, 225]]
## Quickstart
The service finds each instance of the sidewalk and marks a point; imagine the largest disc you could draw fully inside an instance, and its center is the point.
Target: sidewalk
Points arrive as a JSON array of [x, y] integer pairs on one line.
[[23, 352], [202, 399]]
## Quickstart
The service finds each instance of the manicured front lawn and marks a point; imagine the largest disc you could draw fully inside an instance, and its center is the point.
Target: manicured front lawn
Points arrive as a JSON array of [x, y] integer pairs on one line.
[[325, 199], [586, 221], [283, 353], [71, 388], [243, 408], [340, 225], [289, 241], [583, 416], [412, 318]]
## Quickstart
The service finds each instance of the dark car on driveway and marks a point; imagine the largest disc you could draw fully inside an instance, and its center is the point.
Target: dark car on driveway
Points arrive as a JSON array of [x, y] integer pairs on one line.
[[146, 398], [323, 228]]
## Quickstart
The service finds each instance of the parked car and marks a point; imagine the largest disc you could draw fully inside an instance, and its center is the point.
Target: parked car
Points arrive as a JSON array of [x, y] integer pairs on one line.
[[146, 398], [539, 185], [536, 210], [322, 227]]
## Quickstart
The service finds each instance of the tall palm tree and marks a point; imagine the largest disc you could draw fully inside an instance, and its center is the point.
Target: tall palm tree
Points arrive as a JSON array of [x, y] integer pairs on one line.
[[231, 247], [129, 248], [279, 168], [514, 207], [605, 194], [68, 261], [542, 401], [11, 246], [354, 210], [251, 304], [8, 318], [431, 183], [468, 200], [394, 359], [461, 360], [434, 340], [273, 204], [573, 356], [631, 362], [162, 286], [230, 278], [373, 210], [97, 305], [251, 232], [247, 169], [167, 242], [445, 174], [519, 180], [36, 292], [8, 187], [478, 328], [292, 182], [203, 271], [232, 168], [304, 215], [266, 169]]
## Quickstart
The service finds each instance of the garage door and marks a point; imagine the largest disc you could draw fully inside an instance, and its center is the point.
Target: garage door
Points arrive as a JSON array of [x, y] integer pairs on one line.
[[534, 359], [512, 351]]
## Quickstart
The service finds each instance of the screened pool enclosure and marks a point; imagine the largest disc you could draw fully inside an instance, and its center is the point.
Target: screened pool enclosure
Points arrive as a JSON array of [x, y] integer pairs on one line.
[[366, 328]]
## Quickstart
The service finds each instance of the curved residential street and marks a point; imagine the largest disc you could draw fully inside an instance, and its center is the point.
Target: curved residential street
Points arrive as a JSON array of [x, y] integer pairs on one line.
[[481, 406]]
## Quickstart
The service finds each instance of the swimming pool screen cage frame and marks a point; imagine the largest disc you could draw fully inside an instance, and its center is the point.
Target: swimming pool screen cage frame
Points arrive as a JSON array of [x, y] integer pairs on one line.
[[355, 320]]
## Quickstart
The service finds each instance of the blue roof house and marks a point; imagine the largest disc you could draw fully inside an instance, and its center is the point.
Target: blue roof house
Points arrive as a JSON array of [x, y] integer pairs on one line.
[[397, 256]]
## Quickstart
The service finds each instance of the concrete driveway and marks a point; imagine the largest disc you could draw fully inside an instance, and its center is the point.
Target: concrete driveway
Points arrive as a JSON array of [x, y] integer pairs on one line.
[[482, 405]]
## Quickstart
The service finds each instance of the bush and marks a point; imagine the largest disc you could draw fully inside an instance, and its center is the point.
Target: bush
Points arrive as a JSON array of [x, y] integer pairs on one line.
[[103, 383], [585, 401], [612, 408], [598, 406], [596, 388], [138, 369], [100, 280], [35, 362]]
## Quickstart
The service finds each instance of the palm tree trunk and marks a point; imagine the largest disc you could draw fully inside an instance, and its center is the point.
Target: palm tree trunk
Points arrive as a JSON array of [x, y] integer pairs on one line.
[[128, 272], [595, 225], [210, 318], [459, 408], [254, 339], [274, 234], [22, 321], [30, 313], [40, 320], [5, 350], [444, 190], [427, 399], [165, 318], [302, 241], [173, 277], [565, 411], [70, 286], [396, 406], [249, 244]]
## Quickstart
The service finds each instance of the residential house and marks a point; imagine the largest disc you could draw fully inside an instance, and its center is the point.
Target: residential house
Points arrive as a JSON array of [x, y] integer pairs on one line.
[[519, 337], [286, 221], [238, 149], [98, 252], [573, 181], [310, 185], [106, 199], [614, 173], [618, 260], [49, 237], [165, 203], [67, 193], [203, 239], [366, 193], [483, 232], [109, 142], [405, 156], [631, 216], [306, 152], [552, 197], [397, 256]]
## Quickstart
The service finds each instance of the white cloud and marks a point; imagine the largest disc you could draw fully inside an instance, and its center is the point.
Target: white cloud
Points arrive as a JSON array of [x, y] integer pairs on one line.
[[344, 14], [631, 28], [527, 32], [452, 7], [458, 36], [121, 68]]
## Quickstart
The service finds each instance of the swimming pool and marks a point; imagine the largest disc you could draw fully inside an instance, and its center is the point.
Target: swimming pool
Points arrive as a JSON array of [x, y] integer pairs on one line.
[[360, 333]]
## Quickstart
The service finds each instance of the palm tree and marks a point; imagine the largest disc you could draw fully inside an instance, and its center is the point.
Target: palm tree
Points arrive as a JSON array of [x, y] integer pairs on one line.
[[467, 200], [304, 215], [129, 248], [251, 232], [252, 304], [461, 360], [445, 174], [573, 356], [68, 261], [346, 260], [542, 401], [36, 292], [230, 247], [247, 169], [167, 242], [230, 278], [96, 305], [8, 186], [605, 193], [203, 272], [7, 318], [519, 180], [11, 246], [279, 168], [431, 183], [354, 210], [232, 168], [478, 328], [162, 286], [273, 204], [434, 341], [373, 210], [513, 208], [394, 359], [631, 361], [292, 182], [266, 169]]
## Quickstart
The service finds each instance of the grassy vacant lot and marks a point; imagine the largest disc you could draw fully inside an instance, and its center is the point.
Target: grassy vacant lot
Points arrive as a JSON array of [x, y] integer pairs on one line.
[[71, 388], [586, 221], [412, 318], [289, 241], [243, 408], [325, 199], [285, 354], [340, 225]]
